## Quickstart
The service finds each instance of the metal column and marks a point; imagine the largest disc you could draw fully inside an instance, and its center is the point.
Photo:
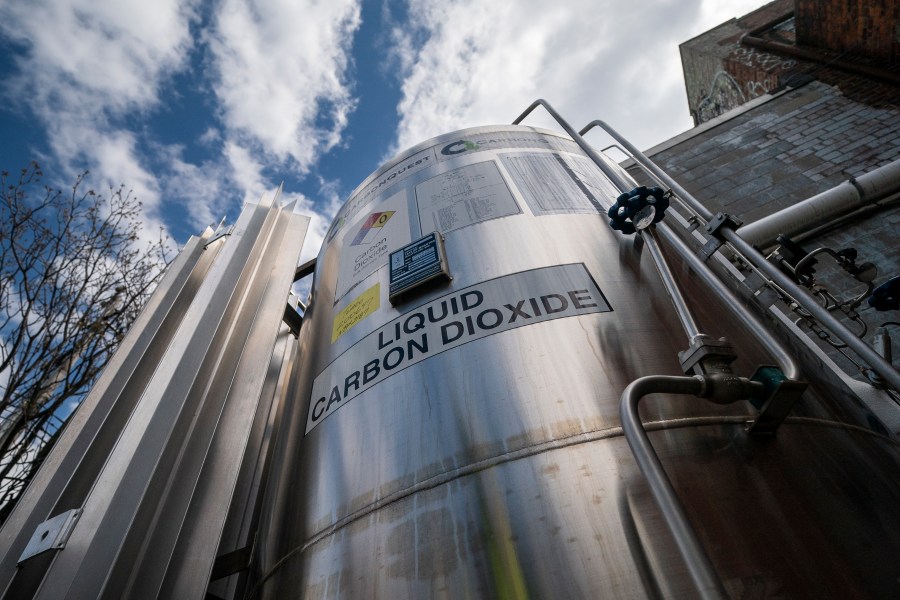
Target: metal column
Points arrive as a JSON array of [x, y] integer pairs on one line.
[[162, 444]]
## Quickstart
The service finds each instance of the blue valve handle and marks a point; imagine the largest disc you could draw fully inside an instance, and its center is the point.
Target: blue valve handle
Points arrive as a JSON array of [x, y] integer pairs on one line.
[[887, 295]]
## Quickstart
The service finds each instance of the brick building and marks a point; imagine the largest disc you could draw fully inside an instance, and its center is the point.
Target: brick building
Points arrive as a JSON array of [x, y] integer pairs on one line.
[[790, 101]]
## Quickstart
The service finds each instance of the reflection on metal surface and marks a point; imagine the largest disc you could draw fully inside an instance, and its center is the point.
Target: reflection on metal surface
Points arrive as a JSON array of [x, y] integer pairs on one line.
[[467, 440], [498, 467]]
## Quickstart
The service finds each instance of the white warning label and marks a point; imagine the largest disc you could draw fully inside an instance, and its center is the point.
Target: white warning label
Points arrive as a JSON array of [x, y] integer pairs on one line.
[[455, 319], [552, 183], [464, 196], [368, 242]]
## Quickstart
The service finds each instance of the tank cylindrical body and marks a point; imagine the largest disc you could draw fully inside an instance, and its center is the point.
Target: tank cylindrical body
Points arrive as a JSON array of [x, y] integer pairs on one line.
[[466, 442]]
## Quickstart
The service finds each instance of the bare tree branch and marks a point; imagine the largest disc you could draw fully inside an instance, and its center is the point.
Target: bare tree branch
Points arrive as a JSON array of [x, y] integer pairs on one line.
[[73, 277]]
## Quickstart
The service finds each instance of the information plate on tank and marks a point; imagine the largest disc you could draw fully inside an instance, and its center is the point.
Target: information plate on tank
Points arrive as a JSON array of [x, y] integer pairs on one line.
[[559, 184], [465, 196], [416, 264], [455, 319]]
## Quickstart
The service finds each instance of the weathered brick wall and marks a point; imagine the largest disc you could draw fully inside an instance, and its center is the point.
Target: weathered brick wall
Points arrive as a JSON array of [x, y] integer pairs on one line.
[[861, 27], [789, 148], [720, 74]]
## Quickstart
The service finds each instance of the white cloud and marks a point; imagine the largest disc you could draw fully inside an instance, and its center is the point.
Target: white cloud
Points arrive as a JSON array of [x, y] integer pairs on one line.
[[483, 63], [281, 74], [201, 188], [246, 174], [86, 65], [110, 52]]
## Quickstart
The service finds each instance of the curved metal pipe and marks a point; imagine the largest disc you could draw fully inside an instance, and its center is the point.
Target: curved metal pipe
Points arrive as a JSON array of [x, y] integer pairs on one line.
[[756, 327], [648, 164], [616, 178], [755, 257], [698, 563]]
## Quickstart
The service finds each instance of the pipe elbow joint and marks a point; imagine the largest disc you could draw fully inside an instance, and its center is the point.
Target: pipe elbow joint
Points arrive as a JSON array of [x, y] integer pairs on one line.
[[723, 388]]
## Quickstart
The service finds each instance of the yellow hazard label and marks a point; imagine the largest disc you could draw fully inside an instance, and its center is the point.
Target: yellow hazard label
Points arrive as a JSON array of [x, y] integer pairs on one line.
[[363, 306]]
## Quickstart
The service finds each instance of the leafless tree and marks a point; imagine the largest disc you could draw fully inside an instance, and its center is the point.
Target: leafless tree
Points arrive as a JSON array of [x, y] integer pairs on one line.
[[74, 274]]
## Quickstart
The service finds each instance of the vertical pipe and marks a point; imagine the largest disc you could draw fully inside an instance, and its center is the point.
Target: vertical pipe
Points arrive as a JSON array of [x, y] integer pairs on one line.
[[698, 563], [681, 306], [756, 327]]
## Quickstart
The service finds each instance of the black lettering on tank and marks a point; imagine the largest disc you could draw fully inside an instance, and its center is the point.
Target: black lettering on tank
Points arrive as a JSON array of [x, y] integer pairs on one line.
[[334, 399], [445, 338], [466, 302], [421, 347], [516, 311], [578, 298], [549, 309], [319, 402], [397, 352], [370, 371], [352, 379], [432, 318], [480, 319], [416, 327]]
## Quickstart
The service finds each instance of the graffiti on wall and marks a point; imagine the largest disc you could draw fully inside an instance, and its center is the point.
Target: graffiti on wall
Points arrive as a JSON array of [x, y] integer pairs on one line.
[[766, 69], [745, 74], [757, 59], [724, 94]]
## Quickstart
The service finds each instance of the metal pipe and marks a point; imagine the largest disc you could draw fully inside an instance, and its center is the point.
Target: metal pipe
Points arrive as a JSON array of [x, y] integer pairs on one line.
[[665, 273], [698, 563], [754, 325], [866, 352], [681, 308], [828, 59], [648, 164], [787, 364], [615, 177], [859, 213], [821, 208], [752, 255]]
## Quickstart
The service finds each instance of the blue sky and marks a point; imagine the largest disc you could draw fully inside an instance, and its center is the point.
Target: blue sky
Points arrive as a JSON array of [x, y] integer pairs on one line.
[[198, 106]]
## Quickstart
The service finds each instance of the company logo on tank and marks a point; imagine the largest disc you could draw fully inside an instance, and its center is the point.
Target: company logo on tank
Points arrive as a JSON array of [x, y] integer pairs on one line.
[[505, 140], [450, 321]]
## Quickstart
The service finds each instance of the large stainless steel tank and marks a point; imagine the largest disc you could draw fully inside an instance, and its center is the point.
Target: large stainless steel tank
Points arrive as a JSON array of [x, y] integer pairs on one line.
[[466, 442]]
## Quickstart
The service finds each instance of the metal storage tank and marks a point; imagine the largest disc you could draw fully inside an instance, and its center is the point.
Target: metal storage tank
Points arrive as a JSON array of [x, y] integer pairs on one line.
[[466, 441]]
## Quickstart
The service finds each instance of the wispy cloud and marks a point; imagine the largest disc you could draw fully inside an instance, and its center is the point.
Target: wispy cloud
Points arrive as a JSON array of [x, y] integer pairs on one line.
[[112, 53], [246, 173], [484, 62], [92, 71], [86, 66], [277, 84], [281, 75]]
